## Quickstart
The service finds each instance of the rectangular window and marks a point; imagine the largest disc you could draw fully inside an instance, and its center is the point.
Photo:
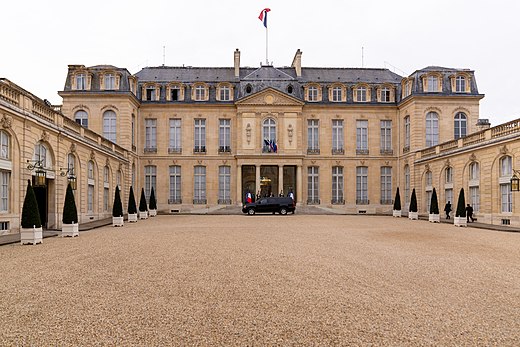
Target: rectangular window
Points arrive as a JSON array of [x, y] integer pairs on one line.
[[224, 136], [80, 82], [199, 193], [336, 94], [337, 136], [449, 175], [362, 137], [474, 197], [313, 94], [175, 185], [224, 185], [133, 130], [361, 94], [313, 185], [90, 198], [150, 180], [406, 184], [448, 193], [150, 135], [4, 190], [110, 82], [432, 84], [407, 132], [429, 194], [507, 201], [386, 185], [362, 185], [150, 93], [386, 137], [225, 93], [337, 185], [200, 93], [200, 136], [174, 94], [313, 138], [385, 95], [460, 84], [175, 136], [105, 199]]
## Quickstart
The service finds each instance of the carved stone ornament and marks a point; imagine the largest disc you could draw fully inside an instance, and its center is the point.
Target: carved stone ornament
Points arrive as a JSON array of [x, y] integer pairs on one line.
[[224, 162], [120, 166], [107, 162], [45, 136], [313, 162], [73, 148], [290, 131], [427, 167], [150, 161], [362, 162], [174, 161], [7, 121], [92, 155], [473, 157], [447, 163], [338, 163], [199, 162], [503, 149], [387, 163], [248, 133]]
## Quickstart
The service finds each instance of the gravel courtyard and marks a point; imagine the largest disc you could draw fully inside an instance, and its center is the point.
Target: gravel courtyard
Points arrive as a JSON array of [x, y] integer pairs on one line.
[[296, 280]]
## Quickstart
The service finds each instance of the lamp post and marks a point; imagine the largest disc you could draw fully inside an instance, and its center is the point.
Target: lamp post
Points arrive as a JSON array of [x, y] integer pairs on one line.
[[71, 178], [515, 181], [39, 173]]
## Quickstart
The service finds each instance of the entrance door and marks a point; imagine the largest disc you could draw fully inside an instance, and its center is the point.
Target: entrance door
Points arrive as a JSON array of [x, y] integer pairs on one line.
[[41, 199]]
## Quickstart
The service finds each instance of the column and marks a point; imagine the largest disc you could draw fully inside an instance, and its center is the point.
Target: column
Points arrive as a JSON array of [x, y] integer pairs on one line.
[[239, 197], [257, 181], [299, 180], [280, 179]]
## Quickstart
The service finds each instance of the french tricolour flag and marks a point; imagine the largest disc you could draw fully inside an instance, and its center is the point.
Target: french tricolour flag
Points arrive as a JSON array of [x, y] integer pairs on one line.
[[249, 198], [263, 16]]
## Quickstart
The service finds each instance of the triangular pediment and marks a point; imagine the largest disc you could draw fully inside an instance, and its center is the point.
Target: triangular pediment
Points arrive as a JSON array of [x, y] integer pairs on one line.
[[270, 96]]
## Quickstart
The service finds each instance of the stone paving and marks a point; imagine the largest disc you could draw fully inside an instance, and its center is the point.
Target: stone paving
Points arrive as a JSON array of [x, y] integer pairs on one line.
[[236, 280]]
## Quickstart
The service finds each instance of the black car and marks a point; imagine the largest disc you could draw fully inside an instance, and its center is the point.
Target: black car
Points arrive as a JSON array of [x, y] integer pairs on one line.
[[282, 205]]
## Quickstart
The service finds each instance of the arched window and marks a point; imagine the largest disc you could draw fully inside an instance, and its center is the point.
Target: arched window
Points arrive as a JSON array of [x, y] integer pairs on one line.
[[40, 154], [4, 145], [460, 125], [506, 170], [506, 166], [432, 129], [474, 186], [406, 184], [269, 136], [109, 125], [460, 84], [312, 94], [361, 95], [428, 178], [81, 117], [200, 93], [106, 188], [448, 175], [90, 186], [474, 171]]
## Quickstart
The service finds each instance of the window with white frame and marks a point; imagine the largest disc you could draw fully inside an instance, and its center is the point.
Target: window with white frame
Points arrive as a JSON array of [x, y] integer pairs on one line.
[[506, 170], [337, 136], [151, 93], [337, 185], [150, 144], [110, 82], [225, 93], [150, 180], [406, 184], [175, 93], [313, 185], [506, 166], [81, 82], [460, 84], [175, 185], [269, 136], [407, 88], [40, 154], [460, 125], [90, 187], [224, 135], [429, 194], [200, 93], [432, 84], [428, 179], [71, 164], [337, 94], [199, 193], [432, 129], [4, 145], [448, 175], [407, 132], [361, 94], [200, 136], [386, 136], [109, 126], [106, 188], [362, 136], [133, 130], [224, 184], [362, 185], [175, 145], [4, 190], [506, 197], [386, 185], [81, 117], [448, 193], [385, 94], [313, 136], [312, 94], [474, 171], [474, 197]]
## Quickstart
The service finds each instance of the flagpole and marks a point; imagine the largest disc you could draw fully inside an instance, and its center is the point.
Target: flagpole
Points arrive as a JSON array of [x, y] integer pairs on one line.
[[266, 46]]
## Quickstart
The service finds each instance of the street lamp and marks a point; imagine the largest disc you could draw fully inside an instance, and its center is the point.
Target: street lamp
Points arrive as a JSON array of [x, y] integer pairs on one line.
[[515, 181], [71, 178], [40, 174]]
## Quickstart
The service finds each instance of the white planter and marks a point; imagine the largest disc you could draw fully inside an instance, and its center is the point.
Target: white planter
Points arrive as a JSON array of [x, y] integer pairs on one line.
[[143, 215], [70, 230], [413, 215], [132, 217], [31, 235], [152, 213], [460, 221], [118, 221], [434, 218], [396, 213]]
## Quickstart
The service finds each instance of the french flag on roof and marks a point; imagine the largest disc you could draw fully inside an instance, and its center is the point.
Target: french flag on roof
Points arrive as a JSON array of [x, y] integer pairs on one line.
[[263, 16]]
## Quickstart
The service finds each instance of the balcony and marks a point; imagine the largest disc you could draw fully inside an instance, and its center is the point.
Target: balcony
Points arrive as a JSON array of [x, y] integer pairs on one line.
[[174, 150], [150, 150], [362, 201], [386, 201], [362, 151], [174, 201], [386, 151], [224, 149], [199, 150], [224, 201], [338, 151], [314, 151], [313, 201], [337, 202], [200, 201]]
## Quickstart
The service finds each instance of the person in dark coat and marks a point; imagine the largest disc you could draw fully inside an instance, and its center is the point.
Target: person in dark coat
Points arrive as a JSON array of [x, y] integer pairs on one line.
[[469, 213], [447, 209]]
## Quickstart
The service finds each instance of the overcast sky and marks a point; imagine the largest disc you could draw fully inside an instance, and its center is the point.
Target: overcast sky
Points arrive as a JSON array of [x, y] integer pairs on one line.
[[40, 38]]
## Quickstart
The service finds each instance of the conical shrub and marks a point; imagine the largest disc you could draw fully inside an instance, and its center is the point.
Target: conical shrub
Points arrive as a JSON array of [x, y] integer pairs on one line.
[[397, 200], [142, 202], [117, 209], [153, 201], [70, 213], [461, 205], [413, 202], [132, 207], [30, 212], [434, 204]]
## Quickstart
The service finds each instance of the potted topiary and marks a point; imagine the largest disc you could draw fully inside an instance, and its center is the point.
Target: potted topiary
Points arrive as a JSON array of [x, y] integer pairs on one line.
[[153, 204], [31, 230], [132, 208], [397, 204], [70, 226], [143, 209], [434, 216], [460, 213], [117, 210], [412, 210]]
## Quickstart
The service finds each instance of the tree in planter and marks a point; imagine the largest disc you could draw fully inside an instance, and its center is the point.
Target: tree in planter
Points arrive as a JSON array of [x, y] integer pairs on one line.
[[142, 202], [132, 208], [153, 202], [30, 212], [461, 205], [413, 202], [70, 215], [117, 209], [434, 204], [397, 200]]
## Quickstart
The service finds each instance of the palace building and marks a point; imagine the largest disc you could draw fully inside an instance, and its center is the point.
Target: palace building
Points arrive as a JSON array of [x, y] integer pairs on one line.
[[204, 137]]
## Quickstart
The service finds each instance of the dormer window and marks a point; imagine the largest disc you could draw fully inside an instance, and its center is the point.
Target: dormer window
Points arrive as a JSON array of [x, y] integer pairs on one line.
[[407, 89], [337, 94], [174, 93], [385, 95], [81, 83], [460, 84], [224, 92], [110, 82], [312, 94], [432, 84], [200, 92], [361, 94], [150, 93]]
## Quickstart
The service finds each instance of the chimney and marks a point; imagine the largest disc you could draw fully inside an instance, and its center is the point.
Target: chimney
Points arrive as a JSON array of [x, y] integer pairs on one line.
[[483, 124], [297, 63], [237, 63]]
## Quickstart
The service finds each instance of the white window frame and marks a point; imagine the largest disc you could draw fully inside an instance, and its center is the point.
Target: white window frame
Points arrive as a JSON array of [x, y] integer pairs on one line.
[[81, 117], [362, 135], [110, 126], [150, 134], [386, 135], [199, 185], [175, 135], [386, 184], [225, 93], [432, 129], [224, 135], [386, 94], [200, 93], [175, 185], [200, 135], [407, 132], [268, 133], [337, 94], [5, 139], [432, 84], [338, 143], [312, 94], [460, 84], [337, 185], [313, 184], [224, 184], [313, 134], [150, 180], [81, 82], [110, 82], [5, 182], [406, 184], [361, 94], [460, 125], [362, 185]]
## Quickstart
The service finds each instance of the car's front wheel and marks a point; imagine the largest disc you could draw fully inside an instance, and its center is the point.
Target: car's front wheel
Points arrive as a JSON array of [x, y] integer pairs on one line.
[[283, 211], [251, 211]]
